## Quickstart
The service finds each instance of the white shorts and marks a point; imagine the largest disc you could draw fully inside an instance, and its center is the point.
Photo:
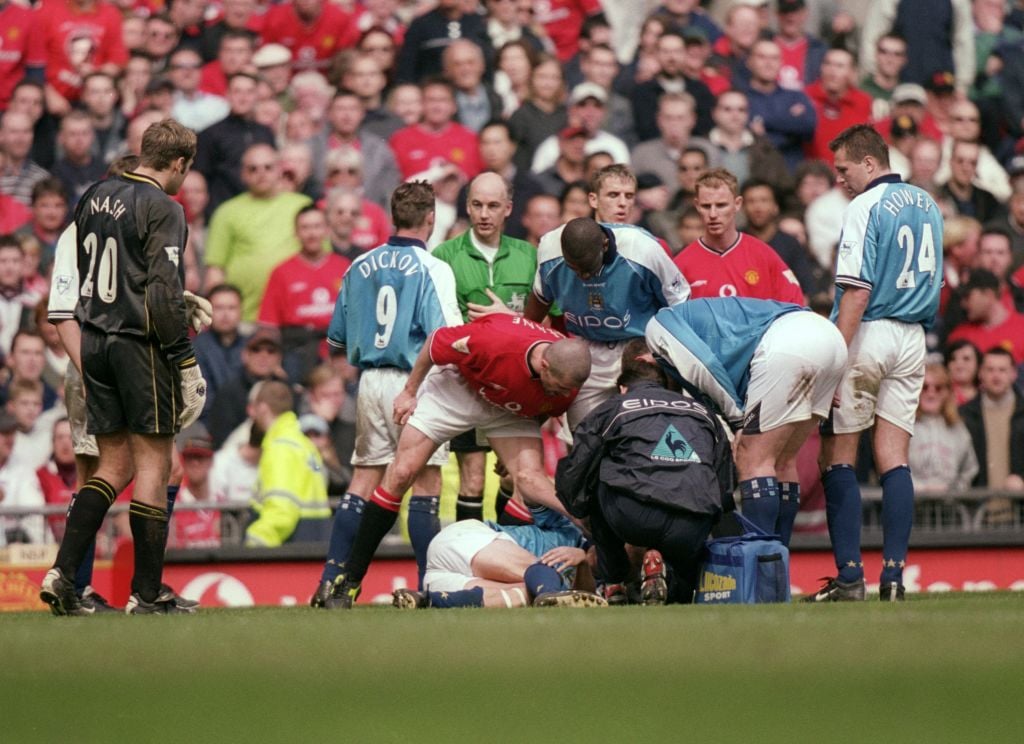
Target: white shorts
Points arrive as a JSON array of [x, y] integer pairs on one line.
[[451, 552], [447, 406], [376, 430], [605, 367], [794, 372], [82, 441], [883, 377]]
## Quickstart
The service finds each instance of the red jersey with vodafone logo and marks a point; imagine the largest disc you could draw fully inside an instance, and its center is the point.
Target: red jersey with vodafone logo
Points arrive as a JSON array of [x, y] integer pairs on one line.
[[562, 20], [491, 354], [417, 148], [748, 268], [302, 293], [77, 41], [312, 45], [21, 44]]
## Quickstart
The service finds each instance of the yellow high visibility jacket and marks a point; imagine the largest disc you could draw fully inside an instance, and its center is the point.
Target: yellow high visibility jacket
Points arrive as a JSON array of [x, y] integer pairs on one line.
[[290, 486]]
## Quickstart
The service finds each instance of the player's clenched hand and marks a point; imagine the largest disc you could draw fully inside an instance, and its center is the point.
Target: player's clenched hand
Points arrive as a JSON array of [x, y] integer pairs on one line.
[[496, 306], [563, 557], [193, 395], [198, 310], [405, 404]]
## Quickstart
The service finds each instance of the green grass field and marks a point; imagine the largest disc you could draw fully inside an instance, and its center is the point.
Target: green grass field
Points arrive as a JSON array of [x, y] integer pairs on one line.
[[942, 669]]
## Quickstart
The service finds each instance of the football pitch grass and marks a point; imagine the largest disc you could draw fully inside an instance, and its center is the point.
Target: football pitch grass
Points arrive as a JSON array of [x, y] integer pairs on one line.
[[946, 668]]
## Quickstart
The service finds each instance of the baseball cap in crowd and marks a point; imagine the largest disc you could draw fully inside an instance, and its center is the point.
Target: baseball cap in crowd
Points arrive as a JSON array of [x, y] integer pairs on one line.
[[941, 83], [791, 6], [570, 132], [264, 336], [981, 279], [272, 55], [903, 126], [199, 445], [583, 91], [648, 180], [8, 423], [909, 93], [695, 35], [159, 85], [310, 423]]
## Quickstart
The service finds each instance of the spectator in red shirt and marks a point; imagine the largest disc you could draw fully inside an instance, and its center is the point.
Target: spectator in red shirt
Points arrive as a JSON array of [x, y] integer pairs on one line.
[[238, 15], [24, 52], [837, 102], [802, 54], [57, 477], [195, 528], [233, 56], [437, 140], [562, 20], [300, 294], [313, 30], [989, 323], [724, 262], [81, 36]]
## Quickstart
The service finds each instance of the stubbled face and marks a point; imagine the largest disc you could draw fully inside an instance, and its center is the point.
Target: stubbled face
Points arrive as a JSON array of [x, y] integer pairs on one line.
[[997, 374], [718, 209], [488, 206], [614, 201], [852, 176], [759, 206]]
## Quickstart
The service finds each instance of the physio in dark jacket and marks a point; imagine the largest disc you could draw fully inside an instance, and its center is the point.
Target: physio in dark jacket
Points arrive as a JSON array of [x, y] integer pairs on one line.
[[648, 467]]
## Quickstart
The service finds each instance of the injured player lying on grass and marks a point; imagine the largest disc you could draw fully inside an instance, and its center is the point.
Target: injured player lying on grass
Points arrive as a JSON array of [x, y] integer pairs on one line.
[[484, 564]]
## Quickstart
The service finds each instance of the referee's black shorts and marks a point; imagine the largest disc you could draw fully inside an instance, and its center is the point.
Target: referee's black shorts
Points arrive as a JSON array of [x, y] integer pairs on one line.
[[129, 385], [467, 442]]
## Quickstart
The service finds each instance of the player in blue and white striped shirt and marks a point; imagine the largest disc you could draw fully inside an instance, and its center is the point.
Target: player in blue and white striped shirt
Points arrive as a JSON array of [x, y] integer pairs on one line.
[[888, 277], [391, 300]]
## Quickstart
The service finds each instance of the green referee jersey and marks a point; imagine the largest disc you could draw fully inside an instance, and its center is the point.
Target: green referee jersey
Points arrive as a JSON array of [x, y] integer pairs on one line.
[[510, 276]]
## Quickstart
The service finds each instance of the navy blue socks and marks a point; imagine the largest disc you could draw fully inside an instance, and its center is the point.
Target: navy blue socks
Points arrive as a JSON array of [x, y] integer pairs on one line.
[[760, 502], [897, 519], [842, 509]]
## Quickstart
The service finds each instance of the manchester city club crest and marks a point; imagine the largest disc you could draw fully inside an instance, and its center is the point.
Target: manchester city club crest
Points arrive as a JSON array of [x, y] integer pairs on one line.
[[595, 301]]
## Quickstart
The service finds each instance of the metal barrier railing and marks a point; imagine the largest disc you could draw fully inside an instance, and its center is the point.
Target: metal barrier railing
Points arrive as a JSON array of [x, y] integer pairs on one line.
[[961, 518]]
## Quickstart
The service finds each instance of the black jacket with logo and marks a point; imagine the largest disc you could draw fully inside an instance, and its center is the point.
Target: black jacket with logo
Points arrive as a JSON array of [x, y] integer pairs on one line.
[[654, 445]]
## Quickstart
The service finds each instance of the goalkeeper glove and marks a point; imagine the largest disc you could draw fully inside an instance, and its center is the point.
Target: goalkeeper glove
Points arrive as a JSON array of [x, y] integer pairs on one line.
[[193, 395], [198, 310]]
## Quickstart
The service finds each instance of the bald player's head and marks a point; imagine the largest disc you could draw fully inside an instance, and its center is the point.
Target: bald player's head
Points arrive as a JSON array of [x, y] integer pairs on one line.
[[565, 366], [488, 203], [583, 246]]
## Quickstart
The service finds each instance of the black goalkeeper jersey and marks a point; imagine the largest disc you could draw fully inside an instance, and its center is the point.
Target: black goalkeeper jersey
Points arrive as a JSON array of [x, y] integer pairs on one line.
[[130, 239]]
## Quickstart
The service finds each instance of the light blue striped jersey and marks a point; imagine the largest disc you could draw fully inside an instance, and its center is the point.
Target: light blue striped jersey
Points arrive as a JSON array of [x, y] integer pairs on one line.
[[891, 244], [391, 300], [709, 343], [636, 280]]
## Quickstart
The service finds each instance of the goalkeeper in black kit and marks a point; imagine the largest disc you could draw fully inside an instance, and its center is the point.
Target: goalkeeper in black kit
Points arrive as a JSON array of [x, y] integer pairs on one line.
[[141, 378]]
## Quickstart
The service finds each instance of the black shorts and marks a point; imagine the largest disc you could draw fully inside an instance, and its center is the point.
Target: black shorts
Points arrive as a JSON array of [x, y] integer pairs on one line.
[[129, 385], [466, 442]]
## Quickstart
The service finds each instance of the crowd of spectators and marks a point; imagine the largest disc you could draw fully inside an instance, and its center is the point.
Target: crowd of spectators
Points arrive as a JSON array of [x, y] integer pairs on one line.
[[310, 112]]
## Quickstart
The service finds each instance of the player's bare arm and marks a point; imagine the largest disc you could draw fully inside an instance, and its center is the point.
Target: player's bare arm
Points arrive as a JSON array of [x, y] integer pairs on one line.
[[536, 309], [851, 309], [405, 401]]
